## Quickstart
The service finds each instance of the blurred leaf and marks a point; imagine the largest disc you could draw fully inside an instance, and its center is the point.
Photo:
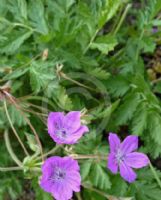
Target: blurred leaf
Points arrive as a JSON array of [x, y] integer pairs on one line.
[[127, 109], [41, 74], [37, 16], [31, 140], [62, 99], [10, 45], [100, 178], [104, 43], [16, 116], [85, 169], [15, 74]]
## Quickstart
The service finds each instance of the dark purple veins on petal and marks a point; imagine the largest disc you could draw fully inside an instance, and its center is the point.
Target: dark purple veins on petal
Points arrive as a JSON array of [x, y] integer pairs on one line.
[[61, 133], [58, 175]]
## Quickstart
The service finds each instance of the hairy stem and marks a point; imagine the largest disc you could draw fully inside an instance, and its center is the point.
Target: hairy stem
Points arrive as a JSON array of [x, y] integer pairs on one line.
[[14, 130], [7, 169], [10, 150], [51, 151], [43, 99], [122, 18], [27, 121], [74, 81], [91, 40], [91, 156], [24, 26]]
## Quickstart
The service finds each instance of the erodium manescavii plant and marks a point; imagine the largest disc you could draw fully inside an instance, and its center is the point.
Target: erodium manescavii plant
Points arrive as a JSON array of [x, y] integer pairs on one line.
[[72, 74]]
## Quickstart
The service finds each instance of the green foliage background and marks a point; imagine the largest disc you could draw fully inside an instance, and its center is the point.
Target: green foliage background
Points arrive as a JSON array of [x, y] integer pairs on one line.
[[97, 48]]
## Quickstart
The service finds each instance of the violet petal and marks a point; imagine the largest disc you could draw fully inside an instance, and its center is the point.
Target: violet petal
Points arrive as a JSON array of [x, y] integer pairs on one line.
[[114, 142], [129, 144], [112, 163], [127, 173], [136, 160]]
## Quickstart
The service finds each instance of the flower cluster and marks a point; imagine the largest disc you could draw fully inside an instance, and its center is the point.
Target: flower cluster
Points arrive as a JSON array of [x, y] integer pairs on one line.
[[61, 175]]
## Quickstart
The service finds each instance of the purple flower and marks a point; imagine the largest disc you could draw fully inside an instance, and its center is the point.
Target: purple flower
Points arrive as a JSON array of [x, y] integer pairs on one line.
[[122, 156], [60, 177], [66, 129]]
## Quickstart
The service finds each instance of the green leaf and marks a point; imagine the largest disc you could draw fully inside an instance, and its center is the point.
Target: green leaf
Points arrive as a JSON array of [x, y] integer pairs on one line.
[[62, 99], [104, 43], [100, 177], [68, 3], [154, 125], [18, 9], [119, 186], [89, 143], [22, 5], [3, 7], [41, 75], [126, 110], [12, 186], [139, 121], [148, 44], [16, 116], [157, 7], [85, 169], [15, 74], [118, 85], [37, 16], [102, 112], [12, 44], [148, 191], [31, 140], [108, 11], [98, 73]]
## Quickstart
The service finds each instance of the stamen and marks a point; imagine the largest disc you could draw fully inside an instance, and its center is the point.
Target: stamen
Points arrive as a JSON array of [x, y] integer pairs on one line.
[[58, 175], [61, 133], [119, 156]]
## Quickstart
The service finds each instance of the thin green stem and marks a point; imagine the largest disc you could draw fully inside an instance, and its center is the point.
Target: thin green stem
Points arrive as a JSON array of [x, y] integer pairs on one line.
[[27, 121], [122, 18], [90, 156], [37, 107], [24, 26], [43, 99], [39, 115], [10, 150], [74, 81], [155, 174], [50, 152], [7, 169], [117, 18], [91, 40], [14, 130]]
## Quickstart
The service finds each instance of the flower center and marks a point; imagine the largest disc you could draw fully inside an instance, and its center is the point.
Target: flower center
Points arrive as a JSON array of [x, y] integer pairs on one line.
[[119, 156], [61, 133], [58, 175]]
